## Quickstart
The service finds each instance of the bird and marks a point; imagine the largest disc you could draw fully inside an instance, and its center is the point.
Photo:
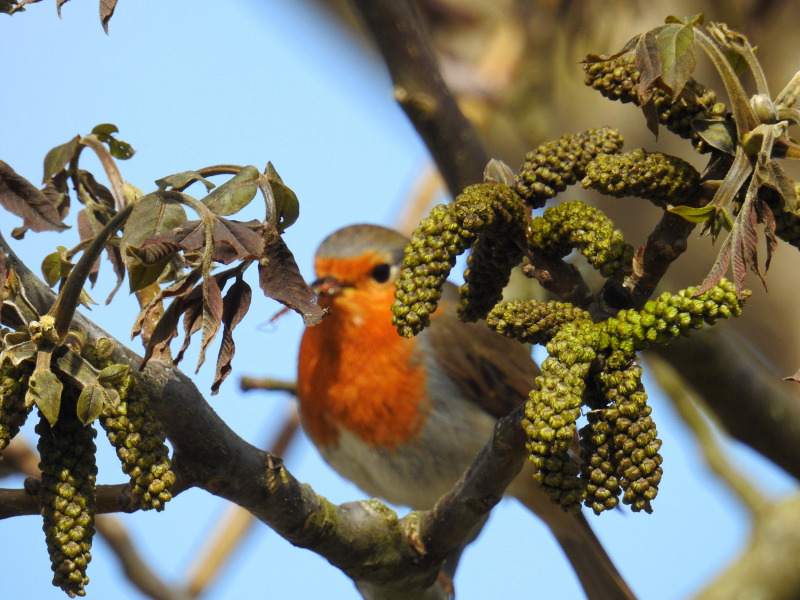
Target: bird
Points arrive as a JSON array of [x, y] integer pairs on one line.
[[403, 418]]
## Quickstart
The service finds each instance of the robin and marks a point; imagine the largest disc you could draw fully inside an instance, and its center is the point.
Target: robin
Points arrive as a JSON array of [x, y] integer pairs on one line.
[[404, 418]]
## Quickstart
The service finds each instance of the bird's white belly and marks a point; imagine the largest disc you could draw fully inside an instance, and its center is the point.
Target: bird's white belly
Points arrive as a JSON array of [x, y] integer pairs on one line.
[[416, 474]]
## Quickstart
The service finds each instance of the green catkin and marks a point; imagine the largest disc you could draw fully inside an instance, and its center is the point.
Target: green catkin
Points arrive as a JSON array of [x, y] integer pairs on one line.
[[620, 445], [136, 433], [531, 321], [616, 79], [67, 497], [13, 412], [553, 408], [577, 225], [660, 178], [554, 165], [493, 212]]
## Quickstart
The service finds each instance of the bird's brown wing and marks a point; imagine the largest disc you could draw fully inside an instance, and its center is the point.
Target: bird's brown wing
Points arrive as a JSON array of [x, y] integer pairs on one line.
[[495, 372]]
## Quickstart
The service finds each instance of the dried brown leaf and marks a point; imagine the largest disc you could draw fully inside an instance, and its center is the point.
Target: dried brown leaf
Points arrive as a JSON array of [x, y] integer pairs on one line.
[[212, 316], [106, 12], [234, 306], [279, 278], [20, 197]]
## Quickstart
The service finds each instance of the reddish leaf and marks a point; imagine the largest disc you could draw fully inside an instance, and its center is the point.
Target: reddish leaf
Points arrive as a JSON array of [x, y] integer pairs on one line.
[[594, 58], [86, 232], [176, 290], [766, 216], [115, 258], [648, 62], [212, 316], [795, 377], [719, 268], [97, 190], [192, 321], [154, 253], [232, 240], [234, 306], [20, 197], [279, 278]]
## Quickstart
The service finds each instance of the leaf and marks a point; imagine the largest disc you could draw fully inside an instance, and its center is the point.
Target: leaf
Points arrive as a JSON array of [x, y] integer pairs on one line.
[[105, 131], [106, 12], [767, 217], [651, 116], [594, 58], [782, 184], [234, 307], [677, 56], [113, 375], [718, 133], [44, 389], [180, 181], [3, 274], [287, 206], [20, 197], [192, 321], [153, 214], [279, 278], [233, 240], [86, 232], [177, 290], [18, 353], [498, 172], [718, 270], [115, 258], [234, 194], [648, 62], [694, 20], [212, 316], [737, 61], [55, 266], [91, 403], [59, 4], [59, 157], [694, 215], [97, 190]]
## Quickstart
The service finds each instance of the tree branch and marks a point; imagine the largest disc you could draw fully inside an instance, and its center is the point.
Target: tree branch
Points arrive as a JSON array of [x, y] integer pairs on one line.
[[364, 539], [422, 93]]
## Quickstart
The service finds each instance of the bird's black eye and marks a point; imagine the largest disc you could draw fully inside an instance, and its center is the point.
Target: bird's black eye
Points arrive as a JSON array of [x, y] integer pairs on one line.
[[381, 273]]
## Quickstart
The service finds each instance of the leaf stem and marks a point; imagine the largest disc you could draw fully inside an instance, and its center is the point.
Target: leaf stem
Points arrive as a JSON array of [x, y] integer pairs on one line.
[[110, 166]]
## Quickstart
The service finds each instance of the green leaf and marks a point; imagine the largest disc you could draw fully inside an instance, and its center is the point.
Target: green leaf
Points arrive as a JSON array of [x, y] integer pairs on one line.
[[738, 62], [694, 20], [678, 58], [183, 180], [91, 402], [236, 193], [55, 266], [105, 347], [113, 375], [719, 133], [44, 389], [104, 132], [694, 215], [287, 206], [58, 158], [105, 129], [153, 214], [19, 352]]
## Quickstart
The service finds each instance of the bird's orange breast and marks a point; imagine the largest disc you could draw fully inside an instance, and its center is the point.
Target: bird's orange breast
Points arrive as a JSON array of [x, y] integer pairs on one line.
[[355, 372]]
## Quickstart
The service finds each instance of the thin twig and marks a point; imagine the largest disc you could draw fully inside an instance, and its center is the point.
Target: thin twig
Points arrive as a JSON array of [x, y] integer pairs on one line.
[[265, 383]]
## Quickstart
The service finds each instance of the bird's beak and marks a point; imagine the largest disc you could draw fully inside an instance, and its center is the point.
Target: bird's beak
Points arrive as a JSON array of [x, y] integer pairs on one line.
[[327, 286]]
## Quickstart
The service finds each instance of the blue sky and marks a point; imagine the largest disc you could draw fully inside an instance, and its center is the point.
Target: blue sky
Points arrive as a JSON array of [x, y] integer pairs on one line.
[[192, 85]]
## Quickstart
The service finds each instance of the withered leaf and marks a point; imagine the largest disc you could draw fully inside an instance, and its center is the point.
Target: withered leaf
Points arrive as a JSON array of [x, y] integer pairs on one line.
[[86, 232], [59, 157], [212, 316], [59, 4], [20, 197], [106, 12], [180, 181], [192, 321], [234, 194], [766, 216], [235, 305], [176, 290], [279, 278], [648, 62], [44, 389], [91, 402], [594, 58], [97, 190], [233, 240]]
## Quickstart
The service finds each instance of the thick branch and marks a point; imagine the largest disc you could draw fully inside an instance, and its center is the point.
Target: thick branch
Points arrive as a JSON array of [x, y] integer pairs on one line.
[[750, 400], [363, 539], [420, 90]]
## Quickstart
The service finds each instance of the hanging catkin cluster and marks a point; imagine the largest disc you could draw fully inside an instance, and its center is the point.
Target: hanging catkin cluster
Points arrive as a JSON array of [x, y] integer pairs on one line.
[[136, 433], [660, 178], [13, 412], [532, 321], [617, 78], [490, 214], [576, 225], [619, 446], [554, 165], [67, 497]]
